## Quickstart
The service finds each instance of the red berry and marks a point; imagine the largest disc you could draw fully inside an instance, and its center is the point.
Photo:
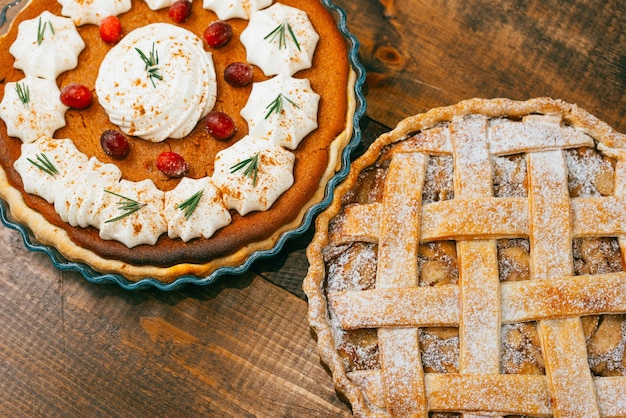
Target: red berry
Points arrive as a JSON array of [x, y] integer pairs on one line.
[[238, 74], [111, 29], [172, 164], [180, 11], [218, 33], [114, 144], [219, 125], [77, 96]]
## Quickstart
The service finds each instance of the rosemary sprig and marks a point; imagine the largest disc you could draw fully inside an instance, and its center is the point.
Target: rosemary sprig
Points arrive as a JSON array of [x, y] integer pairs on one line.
[[41, 30], [44, 164], [152, 63], [280, 32], [189, 205], [251, 166], [276, 106], [23, 92], [127, 205]]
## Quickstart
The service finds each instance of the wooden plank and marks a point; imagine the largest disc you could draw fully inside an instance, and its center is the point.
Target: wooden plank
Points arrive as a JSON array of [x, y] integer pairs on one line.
[[422, 54], [70, 348]]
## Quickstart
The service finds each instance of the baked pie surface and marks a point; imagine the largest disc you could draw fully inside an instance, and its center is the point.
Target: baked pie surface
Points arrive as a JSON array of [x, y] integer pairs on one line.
[[473, 263]]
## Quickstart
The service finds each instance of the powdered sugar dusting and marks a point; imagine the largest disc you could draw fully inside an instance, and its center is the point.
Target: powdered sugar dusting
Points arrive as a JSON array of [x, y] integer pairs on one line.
[[438, 185], [351, 267], [504, 217], [440, 349], [536, 134], [437, 263], [596, 256], [551, 252], [590, 173], [513, 259], [521, 349], [510, 176]]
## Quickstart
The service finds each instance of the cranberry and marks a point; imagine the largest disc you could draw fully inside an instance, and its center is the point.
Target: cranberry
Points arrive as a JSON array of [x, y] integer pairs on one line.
[[172, 164], [219, 125], [238, 74], [114, 144], [77, 96], [218, 33], [180, 11], [111, 29]]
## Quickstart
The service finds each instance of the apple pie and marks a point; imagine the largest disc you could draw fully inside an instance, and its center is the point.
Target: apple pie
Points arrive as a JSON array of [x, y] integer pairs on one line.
[[472, 264]]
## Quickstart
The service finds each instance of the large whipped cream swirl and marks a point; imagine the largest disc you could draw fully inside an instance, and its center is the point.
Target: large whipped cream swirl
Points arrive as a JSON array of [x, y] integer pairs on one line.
[[168, 104]]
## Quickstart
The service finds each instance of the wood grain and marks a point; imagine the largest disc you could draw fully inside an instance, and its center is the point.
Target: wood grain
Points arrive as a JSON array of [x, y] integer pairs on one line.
[[424, 54], [243, 347], [240, 348]]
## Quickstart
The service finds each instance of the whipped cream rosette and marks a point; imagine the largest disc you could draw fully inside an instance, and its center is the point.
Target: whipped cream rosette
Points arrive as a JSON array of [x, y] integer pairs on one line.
[[195, 209], [55, 170], [44, 164], [46, 46], [93, 11], [133, 213], [80, 201], [282, 109], [31, 108], [230, 9], [253, 173], [280, 39]]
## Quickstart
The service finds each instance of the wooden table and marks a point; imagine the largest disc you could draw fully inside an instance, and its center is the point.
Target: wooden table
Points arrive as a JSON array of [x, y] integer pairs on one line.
[[242, 347]]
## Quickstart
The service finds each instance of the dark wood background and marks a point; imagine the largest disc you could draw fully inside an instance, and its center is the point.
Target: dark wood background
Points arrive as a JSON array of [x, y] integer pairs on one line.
[[242, 347]]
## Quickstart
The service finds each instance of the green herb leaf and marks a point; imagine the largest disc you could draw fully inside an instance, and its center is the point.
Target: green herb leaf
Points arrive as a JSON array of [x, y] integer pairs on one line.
[[280, 32], [276, 106], [44, 164], [41, 30], [250, 166], [189, 205], [152, 63], [23, 92], [127, 206]]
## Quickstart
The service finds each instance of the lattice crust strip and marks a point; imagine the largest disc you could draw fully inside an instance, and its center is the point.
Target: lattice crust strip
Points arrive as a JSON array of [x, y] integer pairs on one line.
[[473, 132], [397, 268], [524, 301], [508, 394]]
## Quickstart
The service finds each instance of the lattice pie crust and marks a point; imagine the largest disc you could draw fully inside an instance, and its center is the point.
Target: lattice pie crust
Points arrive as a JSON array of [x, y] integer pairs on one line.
[[473, 263]]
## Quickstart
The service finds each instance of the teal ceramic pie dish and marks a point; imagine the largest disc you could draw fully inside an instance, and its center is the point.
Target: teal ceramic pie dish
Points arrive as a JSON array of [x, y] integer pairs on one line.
[[93, 276]]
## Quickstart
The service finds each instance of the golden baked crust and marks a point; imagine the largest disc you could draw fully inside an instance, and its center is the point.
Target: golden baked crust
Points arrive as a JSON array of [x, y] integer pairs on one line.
[[316, 157], [473, 262]]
